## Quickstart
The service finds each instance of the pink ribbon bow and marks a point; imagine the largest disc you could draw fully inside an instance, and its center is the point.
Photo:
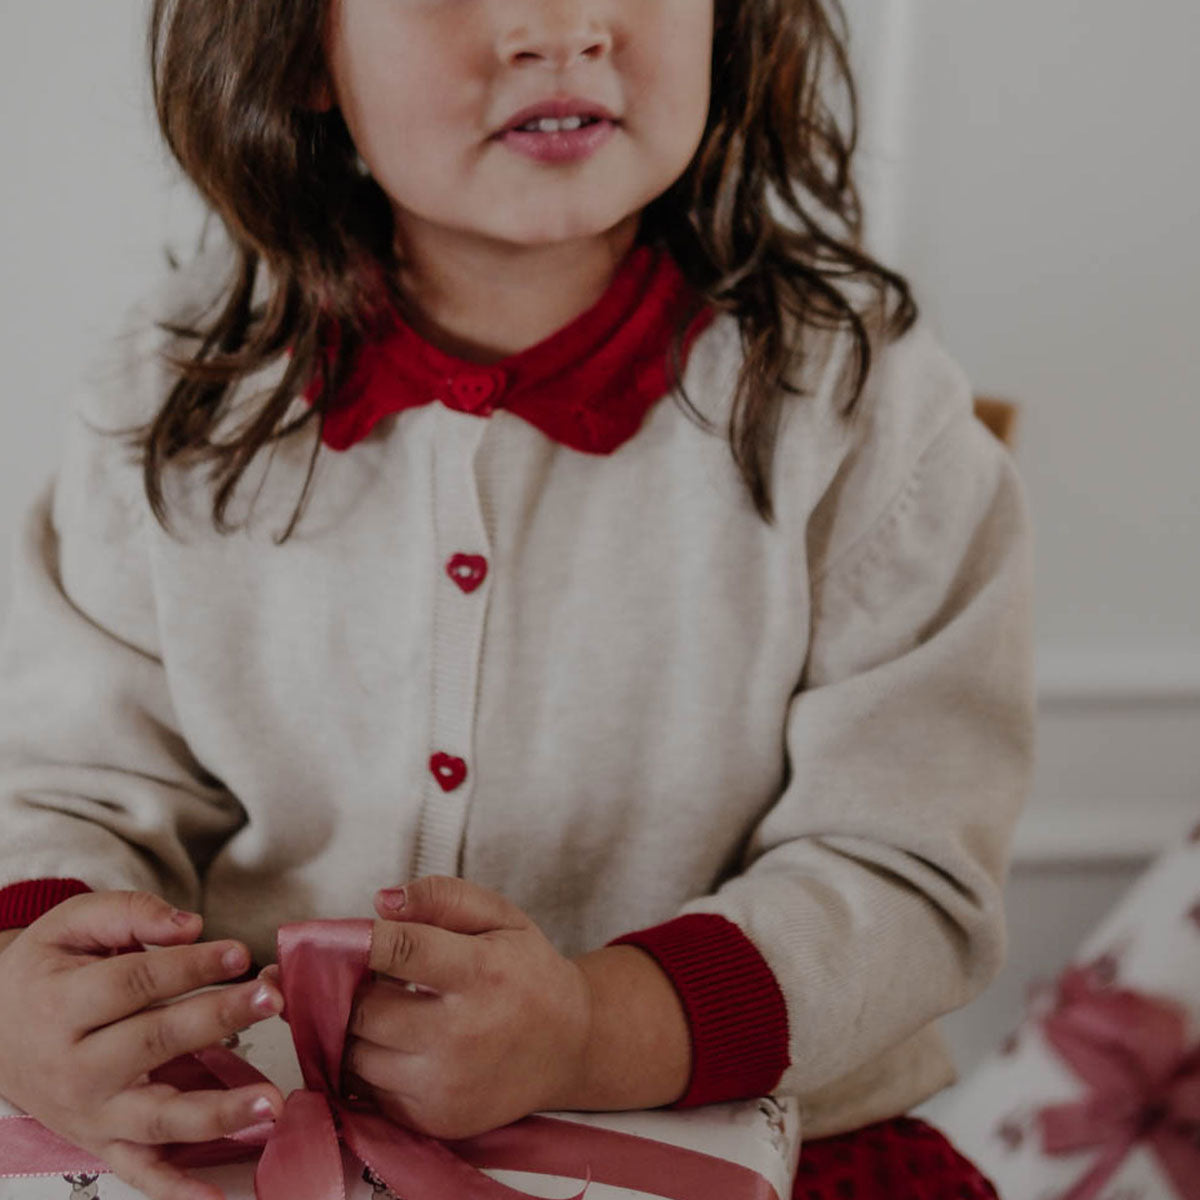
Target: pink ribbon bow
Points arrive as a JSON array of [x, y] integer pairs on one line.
[[322, 964], [1144, 1083]]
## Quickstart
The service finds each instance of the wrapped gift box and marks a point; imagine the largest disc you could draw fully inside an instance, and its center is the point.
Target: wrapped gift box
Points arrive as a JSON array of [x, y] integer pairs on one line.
[[750, 1147], [1097, 1095]]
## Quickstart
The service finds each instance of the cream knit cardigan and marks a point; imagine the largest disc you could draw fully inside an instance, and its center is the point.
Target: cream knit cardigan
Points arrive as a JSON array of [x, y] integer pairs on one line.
[[819, 729]]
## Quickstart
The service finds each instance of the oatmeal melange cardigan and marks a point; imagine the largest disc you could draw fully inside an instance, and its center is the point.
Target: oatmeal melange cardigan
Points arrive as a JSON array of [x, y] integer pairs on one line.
[[531, 630]]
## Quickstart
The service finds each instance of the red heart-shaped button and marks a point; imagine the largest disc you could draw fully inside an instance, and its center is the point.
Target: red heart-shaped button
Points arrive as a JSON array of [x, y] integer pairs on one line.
[[468, 571], [448, 771], [472, 392]]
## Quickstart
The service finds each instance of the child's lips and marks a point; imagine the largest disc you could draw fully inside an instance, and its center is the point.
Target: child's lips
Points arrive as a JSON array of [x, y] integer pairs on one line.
[[560, 146]]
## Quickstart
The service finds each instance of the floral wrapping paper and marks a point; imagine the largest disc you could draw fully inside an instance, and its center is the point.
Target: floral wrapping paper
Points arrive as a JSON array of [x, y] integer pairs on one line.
[[1097, 1095], [762, 1135]]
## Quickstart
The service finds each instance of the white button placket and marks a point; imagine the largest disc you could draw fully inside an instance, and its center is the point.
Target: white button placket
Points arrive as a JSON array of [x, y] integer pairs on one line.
[[460, 608]]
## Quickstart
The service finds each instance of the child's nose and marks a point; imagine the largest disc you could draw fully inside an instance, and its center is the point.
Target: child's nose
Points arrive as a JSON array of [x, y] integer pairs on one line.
[[556, 34]]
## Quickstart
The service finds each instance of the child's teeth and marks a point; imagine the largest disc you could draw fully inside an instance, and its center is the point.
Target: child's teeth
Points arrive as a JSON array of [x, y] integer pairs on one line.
[[556, 124]]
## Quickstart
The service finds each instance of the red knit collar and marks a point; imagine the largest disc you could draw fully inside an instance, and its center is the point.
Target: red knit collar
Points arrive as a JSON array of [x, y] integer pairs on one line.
[[588, 386]]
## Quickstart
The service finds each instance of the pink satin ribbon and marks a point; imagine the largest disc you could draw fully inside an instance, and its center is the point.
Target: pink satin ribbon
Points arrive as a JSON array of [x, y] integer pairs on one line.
[[1131, 1051], [322, 964]]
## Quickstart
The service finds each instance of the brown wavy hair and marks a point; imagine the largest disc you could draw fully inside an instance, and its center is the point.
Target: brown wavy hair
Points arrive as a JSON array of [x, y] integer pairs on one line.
[[287, 184]]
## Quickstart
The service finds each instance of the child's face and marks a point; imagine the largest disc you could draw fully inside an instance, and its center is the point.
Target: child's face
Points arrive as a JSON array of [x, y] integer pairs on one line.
[[427, 88]]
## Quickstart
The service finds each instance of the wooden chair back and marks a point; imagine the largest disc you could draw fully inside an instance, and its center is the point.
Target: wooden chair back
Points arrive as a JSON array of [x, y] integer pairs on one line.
[[1000, 416]]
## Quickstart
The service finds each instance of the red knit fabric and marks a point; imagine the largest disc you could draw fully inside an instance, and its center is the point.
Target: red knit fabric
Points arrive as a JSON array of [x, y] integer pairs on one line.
[[588, 386], [902, 1159], [22, 903], [735, 1009]]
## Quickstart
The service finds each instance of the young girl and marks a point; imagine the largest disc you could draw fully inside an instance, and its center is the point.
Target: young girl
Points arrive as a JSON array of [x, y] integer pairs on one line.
[[546, 503]]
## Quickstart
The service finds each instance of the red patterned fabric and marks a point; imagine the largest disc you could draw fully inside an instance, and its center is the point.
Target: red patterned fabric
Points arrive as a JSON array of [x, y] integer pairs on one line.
[[902, 1159], [22, 903]]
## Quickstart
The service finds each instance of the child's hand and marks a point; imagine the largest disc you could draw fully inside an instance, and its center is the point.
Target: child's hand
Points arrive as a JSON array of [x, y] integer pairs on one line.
[[82, 1025], [504, 1035]]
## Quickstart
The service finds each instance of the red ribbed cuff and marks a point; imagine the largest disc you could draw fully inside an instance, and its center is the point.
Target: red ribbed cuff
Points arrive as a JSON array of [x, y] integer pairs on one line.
[[22, 903], [734, 1006]]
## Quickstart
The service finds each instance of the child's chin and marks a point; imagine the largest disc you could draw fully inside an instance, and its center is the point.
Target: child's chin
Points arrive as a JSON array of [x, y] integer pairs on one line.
[[549, 227]]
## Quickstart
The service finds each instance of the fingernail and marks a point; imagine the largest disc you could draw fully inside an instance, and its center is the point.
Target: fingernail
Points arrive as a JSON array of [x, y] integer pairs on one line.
[[265, 1000], [394, 898], [180, 917], [263, 1109], [235, 959]]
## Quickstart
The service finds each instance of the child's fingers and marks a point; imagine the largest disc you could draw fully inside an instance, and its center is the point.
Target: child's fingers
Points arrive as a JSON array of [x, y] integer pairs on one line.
[[148, 1039], [103, 921], [145, 1169], [392, 1016], [112, 988], [273, 975], [377, 1066], [425, 954], [451, 903], [158, 1115]]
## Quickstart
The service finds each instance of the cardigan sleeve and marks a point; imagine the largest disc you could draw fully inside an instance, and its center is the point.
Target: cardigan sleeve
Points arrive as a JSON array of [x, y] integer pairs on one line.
[[98, 788], [872, 890]]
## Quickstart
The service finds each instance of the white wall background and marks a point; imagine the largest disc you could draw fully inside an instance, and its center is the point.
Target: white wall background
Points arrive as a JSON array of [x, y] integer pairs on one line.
[[86, 205], [1031, 164], [1046, 182]]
